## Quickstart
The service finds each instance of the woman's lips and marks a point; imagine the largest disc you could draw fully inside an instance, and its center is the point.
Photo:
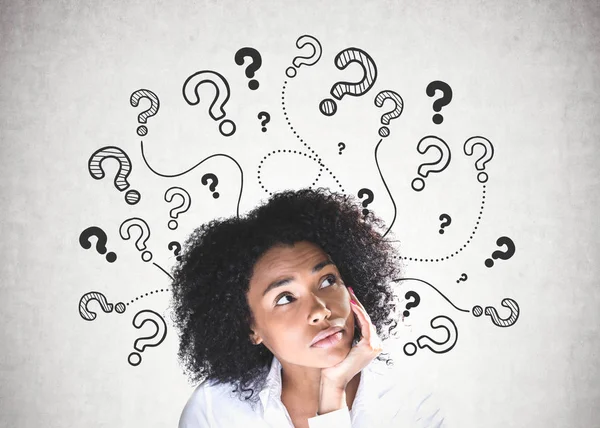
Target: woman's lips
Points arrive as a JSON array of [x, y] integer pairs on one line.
[[329, 341]]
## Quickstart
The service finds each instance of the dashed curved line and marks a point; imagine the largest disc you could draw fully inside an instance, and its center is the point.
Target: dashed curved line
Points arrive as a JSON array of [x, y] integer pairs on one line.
[[440, 293], [188, 170], [141, 296], [301, 140], [464, 245]]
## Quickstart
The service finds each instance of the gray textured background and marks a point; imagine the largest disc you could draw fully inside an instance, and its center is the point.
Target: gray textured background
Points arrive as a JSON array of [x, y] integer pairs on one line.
[[524, 75]]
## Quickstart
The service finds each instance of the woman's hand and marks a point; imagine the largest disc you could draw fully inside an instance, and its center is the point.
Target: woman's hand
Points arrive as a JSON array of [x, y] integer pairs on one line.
[[360, 356]]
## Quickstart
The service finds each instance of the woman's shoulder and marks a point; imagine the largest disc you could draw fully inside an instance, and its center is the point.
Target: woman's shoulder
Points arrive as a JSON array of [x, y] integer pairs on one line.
[[216, 405]]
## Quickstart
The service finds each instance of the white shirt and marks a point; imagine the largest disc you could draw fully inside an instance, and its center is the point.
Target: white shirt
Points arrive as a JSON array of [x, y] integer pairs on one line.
[[381, 401]]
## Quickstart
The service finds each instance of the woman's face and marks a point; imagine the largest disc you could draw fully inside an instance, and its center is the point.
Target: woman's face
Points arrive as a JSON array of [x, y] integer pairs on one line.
[[295, 292]]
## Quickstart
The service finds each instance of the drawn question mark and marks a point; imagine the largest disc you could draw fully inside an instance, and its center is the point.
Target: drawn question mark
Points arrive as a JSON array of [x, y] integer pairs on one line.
[[214, 181], [446, 222], [328, 107], [413, 304], [155, 339], [305, 60], [504, 255], [174, 245], [216, 110], [84, 241], [267, 119], [132, 197], [424, 169], [90, 315], [392, 114], [487, 156], [439, 322], [252, 67], [493, 314], [444, 101], [341, 146], [367, 201], [463, 277], [154, 106], [179, 209], [140, 244]]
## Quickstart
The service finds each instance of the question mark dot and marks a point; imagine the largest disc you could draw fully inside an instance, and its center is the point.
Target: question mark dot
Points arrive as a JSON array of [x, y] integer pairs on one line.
[[418, 184], [384, 131], [142, 130], [111, 257], [178, 258], [223, 128], [120, 307], [365, 212], [489, 263], [253, 84], [264, 129], [173, 225], [441, 231], [482, 177], [477, 311], [438, 118], [410, 349], [146, 256], [290, 72], [406, 313], [134, 359], [216, 195], [132, 197], [328, 107]]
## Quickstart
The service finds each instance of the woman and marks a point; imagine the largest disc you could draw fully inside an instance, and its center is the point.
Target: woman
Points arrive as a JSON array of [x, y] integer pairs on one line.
[[280, 316]]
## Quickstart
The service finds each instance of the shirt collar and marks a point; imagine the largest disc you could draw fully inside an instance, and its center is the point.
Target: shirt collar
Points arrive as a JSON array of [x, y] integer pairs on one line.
[[273, 385]]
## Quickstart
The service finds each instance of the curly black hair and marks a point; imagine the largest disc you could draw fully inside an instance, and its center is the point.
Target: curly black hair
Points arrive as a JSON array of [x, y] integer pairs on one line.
[[212, 278]]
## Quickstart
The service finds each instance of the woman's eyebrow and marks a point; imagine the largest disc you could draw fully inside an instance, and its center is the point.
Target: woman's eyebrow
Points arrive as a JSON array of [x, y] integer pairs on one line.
[[287, 280]]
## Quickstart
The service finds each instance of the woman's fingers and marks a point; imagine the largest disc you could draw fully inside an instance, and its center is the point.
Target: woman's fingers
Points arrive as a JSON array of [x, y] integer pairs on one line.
[[368, 330]]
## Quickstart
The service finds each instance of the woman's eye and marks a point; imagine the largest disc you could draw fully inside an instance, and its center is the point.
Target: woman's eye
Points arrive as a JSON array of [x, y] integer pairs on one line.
[[331, 278], [280, 298]]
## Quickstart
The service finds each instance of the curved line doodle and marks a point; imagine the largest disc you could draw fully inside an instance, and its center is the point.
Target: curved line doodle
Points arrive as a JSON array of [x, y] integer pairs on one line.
[[439, 292], [189, 169]]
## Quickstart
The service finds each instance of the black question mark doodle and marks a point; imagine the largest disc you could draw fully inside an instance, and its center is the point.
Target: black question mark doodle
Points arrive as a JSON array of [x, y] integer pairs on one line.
[[156, 339], [493, 314], [488, 154], [442, 163], [439, 322], [140, 244], [445, 223], [154, 106], [132, 197], [444, 101], [90, 315], [177, 247], [463, 277], [267, 119], [367, 201], [341, 146], [413, 304], [254, 64], [504, 255], [305, 60], [217, 107], [214, 181], [84, 241], [392, 114], [327, 106]]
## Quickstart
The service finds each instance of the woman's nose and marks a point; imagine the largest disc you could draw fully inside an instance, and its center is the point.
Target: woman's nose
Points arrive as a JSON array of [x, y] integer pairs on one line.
[[319, 310]]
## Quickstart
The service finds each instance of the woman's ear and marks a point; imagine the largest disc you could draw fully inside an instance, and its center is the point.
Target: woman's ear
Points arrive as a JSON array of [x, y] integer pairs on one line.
[[255, 338]]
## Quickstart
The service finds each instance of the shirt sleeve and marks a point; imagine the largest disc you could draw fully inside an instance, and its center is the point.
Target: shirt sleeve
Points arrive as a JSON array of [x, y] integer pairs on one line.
[[195, 411], [336, 419], [428, 414]]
